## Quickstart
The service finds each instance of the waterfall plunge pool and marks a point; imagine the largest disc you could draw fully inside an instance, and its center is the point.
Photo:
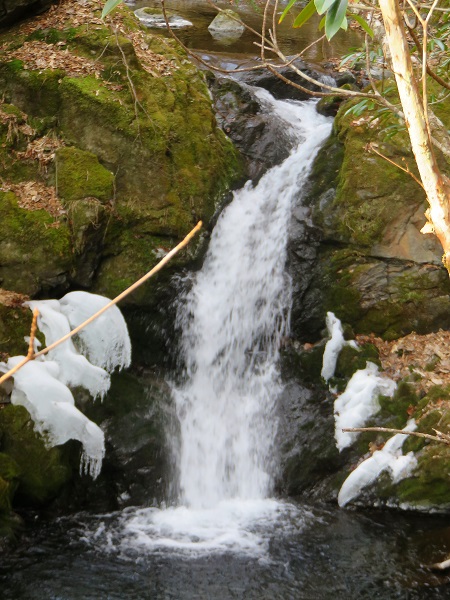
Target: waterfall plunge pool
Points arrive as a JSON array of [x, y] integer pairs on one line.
[[308, 553]]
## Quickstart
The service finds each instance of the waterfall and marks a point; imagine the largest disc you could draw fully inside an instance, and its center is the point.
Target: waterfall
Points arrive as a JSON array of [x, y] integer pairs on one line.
[[233, 321]]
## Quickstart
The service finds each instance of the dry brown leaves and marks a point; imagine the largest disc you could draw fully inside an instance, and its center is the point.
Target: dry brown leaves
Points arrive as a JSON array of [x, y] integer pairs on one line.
[[67, 13], [42, 149], [38, 55], [426, 355], [33, 195], [12, 299]]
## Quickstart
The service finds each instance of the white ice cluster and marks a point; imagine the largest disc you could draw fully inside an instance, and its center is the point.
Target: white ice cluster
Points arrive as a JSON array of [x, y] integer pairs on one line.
[[42, 385], [333, 346], [389, 458], [359, 402]]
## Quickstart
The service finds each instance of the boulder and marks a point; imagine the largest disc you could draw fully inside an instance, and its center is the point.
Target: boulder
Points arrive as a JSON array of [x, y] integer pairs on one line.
[[261, 138], [226, 23], [14, 10], [153, 17]]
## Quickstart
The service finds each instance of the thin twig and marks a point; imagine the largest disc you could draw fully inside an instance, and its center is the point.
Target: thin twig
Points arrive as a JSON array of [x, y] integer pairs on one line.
[[439, 437], [430, 71], [371, 148], [32, 334], [117, 299]]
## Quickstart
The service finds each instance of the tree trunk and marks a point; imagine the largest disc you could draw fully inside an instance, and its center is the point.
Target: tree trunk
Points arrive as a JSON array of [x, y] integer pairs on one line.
[[434, 182]]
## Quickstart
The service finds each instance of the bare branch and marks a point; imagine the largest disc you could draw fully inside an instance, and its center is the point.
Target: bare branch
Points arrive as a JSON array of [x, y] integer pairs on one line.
[[32, 334], [430, 71], [439, 437], [371, 148]]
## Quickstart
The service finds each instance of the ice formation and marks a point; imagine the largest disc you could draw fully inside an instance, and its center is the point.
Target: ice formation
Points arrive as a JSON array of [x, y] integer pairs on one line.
[[105, 341], [75, 369], [41, 385], [359, 402], [333, 346], [389, 458]]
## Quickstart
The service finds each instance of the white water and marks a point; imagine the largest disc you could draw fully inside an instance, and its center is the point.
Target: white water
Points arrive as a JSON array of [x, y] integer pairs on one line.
[[233, 321]]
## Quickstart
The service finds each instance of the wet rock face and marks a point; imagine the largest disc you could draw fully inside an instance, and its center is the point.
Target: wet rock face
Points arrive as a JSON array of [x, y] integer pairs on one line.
[[374, 268], [261, 139], [279, 88], [14, 10]]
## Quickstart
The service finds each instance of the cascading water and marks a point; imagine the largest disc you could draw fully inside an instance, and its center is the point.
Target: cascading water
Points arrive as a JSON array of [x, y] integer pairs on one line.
[[233, 320]]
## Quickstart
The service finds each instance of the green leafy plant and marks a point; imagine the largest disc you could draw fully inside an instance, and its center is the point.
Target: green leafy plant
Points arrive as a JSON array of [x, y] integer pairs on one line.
[[335, 16], [110, 5]]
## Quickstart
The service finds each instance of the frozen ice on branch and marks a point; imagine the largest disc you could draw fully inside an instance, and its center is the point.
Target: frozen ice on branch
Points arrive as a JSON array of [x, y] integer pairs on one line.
[[42, 385]]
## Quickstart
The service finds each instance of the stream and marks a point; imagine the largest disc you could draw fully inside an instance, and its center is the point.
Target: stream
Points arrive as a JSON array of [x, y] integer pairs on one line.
[[227, 535]]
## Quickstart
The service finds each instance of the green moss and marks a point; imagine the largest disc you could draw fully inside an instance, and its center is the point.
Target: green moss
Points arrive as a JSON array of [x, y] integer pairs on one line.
[[397, 409], [15, 324], [430, 485], [40, 472], [81, 175], [33, 251], [351, 359], [35, 92]]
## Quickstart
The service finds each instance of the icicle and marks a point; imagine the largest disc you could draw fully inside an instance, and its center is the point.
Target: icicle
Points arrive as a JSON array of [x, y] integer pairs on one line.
[[52, 408], [333, 346], [75, 369], [41, 385]]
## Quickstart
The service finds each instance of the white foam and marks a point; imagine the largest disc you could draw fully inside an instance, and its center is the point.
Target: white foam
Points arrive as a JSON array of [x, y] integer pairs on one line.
[[237, 526]]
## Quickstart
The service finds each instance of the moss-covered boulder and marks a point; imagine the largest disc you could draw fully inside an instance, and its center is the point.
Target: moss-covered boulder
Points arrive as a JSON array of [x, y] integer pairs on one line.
[[374, 269], [110, 154]]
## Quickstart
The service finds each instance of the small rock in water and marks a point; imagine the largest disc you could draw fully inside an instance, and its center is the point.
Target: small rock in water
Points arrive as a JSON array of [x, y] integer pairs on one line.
[[151, 17], [224, 27]]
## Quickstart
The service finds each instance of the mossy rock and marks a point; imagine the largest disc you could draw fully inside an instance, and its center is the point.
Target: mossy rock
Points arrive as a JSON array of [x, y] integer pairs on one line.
[[15, 323], [9, 478], [352, 359], [36, 255], [41, 472], [171, 163], [376, 271], [80, 175], [388, 298]]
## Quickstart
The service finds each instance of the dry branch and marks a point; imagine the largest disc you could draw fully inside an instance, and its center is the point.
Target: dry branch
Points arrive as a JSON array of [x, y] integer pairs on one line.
[[439, 437]]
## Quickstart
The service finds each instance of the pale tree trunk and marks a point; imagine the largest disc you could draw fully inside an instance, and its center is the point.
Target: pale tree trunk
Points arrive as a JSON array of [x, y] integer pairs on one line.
[[435, 184]]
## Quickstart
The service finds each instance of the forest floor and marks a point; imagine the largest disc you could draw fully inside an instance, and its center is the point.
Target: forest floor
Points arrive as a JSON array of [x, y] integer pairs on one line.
[[427, 356]]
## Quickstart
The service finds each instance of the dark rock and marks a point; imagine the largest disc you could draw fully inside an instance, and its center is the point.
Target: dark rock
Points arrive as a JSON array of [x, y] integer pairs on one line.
[[279, 88], [14, 10], [262, 139]]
